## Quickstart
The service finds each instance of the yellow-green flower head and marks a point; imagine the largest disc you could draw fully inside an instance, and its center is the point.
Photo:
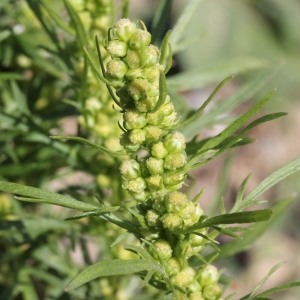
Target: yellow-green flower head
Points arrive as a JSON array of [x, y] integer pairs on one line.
[[134, 119], [212, 292], [173, 162], [175, 201], [208, 275], [163, 249], [124, 29], [152, 218], [196, 296], [116, 68], [175, 142], [139, 39], [130, 169], [184, 278], [172, 221], [155, 165], [137, 185], [116, 48], [154, 183], [173, 266], [158, 150]]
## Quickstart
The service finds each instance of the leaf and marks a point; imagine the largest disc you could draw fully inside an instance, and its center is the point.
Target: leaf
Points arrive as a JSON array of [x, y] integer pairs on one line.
[[41, 196], [232, 218], [271, 180], [112, 268], [89, 143], [279, 288], [77, 24], [248, 238], [179, 28], [199, 78]]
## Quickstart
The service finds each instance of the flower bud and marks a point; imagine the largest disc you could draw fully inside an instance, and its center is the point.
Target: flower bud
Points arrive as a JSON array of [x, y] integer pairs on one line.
[[133, 119], [130, 169], [169, 120], [184, 278], [208, 275], [140, 196], [194, 287], [137, 136], [134, 74], [152, 218], [172, 221], [175, 142], [152, 73], [153, 133], [146, 104], [116, 68], [174, 161], [133, 59], [197, 240], [173, 179], [152, 54], [155, 165], [173, 266], [196, 296], [124, 29], [212, 292], [137, 185], [139, 39], [175, 201], [158, 150], [192, 212], [167, 108], [154, 182], [116, 48], [127, 144], [163, 249], [155, 118], [138, 88]]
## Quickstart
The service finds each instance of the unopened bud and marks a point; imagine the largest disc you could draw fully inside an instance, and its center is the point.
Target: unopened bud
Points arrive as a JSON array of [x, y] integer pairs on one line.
[[175, 142], [153, 133], [130, 169], [116, 68], [175, 201], [116, 48], [137, 136], [137, 185], [152, 218], [212, 292], [172, 221], [163, 248], [173, 266], [208, 275], [154, 182], [155, 165], [152, 54], [174, 161], [140, 38], [184, 278], [158, 150], [134, 119], [124, 29]]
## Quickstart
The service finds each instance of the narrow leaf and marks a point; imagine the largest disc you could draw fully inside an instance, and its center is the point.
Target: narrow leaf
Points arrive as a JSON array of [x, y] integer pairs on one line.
[[279, 288], [41, 196], [113, 267]]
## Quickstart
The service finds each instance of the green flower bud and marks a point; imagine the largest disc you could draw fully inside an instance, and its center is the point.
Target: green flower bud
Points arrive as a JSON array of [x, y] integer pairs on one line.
[[174, 161], [175, 142], [116, 68], [139, 39], [134, 119], [163, 249], [169, 120], [155, 165], [133, 59], [197, 240], [134, 74], [158, 150], [140, 196], [167, 108], [124, 29], [137, 136], [138, 89], [116, 48], [137, 185], [196, 296], [155, 118], [159, 205], [208, 275], [152, 218], [130, 169], [212, 292], [154, 182], [127, 144], [152, 54], [192, 212], [146, 104], [152, 73], [175, 201], [184, 278], [172, 221], [194, 286], [173, 266], [153, 133]]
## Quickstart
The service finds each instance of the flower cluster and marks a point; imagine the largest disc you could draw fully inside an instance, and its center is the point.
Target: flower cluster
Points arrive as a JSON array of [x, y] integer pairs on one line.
[[153, 180]]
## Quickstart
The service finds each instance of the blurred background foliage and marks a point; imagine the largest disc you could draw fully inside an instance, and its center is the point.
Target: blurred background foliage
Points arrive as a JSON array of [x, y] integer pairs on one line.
[[40, 93]]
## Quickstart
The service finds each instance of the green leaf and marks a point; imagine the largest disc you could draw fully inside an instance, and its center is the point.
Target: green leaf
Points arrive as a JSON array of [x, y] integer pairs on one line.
[[89, 143], [179, 29], [232, 218], [199, 78], [41, 196], [271, 180], [249, 237], [112, 268], [11, 76], [77, 24], [279, 288]]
